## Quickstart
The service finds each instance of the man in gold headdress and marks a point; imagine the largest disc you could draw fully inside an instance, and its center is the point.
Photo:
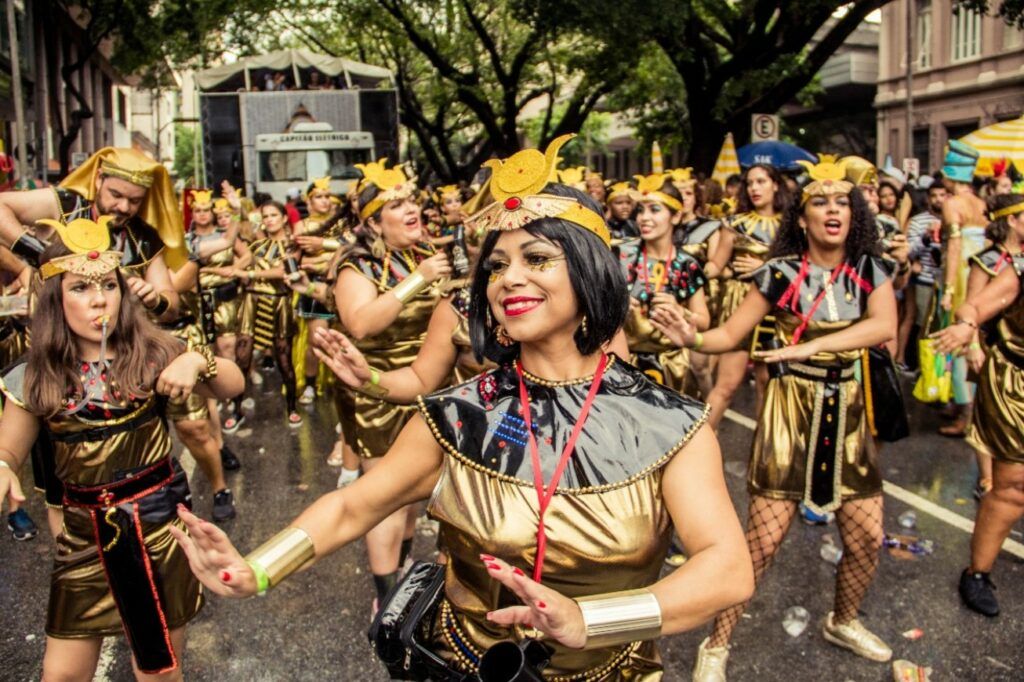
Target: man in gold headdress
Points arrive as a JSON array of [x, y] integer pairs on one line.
[[123, 183]]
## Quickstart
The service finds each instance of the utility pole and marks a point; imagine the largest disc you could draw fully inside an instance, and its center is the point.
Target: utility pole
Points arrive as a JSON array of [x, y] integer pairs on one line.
[[19, 105], [910, 78]]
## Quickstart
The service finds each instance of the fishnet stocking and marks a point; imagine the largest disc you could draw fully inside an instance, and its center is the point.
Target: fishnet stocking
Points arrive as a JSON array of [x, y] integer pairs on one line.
[[243, 357], [767, 524], [860, 525]]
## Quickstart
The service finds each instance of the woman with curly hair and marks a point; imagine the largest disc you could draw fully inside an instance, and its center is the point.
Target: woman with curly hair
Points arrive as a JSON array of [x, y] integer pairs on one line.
[[832, 297], [556, 477]]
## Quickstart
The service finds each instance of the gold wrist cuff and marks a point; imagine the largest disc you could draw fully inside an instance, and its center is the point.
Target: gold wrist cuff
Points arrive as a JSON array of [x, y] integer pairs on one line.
[[283, 554], [211, 361], [407, 289], [620, 618], [331, 244]]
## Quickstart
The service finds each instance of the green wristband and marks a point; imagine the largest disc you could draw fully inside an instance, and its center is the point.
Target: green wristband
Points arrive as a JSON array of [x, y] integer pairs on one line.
[[262, 579]]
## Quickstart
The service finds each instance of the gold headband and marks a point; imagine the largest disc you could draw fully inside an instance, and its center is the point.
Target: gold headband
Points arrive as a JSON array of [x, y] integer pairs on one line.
[[445, 191], [202, 198], [319, 185], [827, 178], [574, 177], [516, 184], [648, 188], [89, 243], [391, 182], [619, 189], [1008, 211], [222, 206], [136, 177], [682, 177]]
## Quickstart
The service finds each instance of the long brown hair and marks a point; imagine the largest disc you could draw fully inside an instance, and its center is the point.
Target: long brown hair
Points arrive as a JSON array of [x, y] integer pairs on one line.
[[141, 351]]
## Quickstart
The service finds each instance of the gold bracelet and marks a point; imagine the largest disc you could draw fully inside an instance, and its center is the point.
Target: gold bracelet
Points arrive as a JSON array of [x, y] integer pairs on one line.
[[282, 555], [407, 289], [620, 618], [331, 244], [954, 231], [211, 361], [698, 341], [372, 388]]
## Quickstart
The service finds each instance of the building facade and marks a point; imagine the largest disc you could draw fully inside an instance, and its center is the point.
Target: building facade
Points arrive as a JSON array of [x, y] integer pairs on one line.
[[967, 71]]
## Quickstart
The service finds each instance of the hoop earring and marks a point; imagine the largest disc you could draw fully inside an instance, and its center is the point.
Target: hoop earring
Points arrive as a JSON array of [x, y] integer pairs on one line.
[[502, 337]]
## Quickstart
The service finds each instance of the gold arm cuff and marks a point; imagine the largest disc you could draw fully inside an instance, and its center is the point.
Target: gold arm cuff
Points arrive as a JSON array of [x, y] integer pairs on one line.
[[620, 618], [407, 289], [954, 231], [211, 361], [283, 554], [331, 244]]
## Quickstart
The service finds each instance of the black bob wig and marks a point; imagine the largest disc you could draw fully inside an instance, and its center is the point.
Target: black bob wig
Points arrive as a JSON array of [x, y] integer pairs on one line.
[[594, 273]]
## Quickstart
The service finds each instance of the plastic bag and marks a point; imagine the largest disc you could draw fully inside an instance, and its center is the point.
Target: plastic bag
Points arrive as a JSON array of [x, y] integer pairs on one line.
[[936, 381]]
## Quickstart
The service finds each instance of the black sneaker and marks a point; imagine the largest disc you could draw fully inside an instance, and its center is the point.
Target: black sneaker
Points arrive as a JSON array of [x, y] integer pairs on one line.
[[21, 525], [977, 591], [228, 459], [223, 505]]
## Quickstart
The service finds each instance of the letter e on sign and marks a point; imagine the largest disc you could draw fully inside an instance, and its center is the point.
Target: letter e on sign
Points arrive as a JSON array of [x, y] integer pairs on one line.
[[764, 127]]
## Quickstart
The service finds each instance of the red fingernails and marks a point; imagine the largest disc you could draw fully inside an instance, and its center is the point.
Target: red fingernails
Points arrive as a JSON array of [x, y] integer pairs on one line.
[[517, 571], [486, 557], [494, 567], [541, 605], [225, 576]]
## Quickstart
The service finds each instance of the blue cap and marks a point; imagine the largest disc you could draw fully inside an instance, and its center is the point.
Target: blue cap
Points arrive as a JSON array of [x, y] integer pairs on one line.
[[961, 159]]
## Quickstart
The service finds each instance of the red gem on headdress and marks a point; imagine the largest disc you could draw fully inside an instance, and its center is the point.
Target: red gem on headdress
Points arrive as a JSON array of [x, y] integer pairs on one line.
[[512, 203], [398, 187], [93, 255]]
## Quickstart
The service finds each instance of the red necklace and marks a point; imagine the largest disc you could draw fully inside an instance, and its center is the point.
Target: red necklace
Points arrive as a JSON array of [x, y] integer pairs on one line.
[[544, 496], [793, 293]]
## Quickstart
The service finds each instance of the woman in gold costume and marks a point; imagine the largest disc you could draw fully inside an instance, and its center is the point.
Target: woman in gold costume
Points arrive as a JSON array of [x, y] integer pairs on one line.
[[579, 565], [385, 294], [747, 239], [117, 568], [660, 274], [267, 315], [832, 297], [997, 426]]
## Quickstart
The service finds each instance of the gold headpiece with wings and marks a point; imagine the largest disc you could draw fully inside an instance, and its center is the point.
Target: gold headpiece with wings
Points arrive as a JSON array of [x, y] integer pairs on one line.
[[619, 189], [516, 185], [392, 183], [319, 185], [574, 177], [682, 177], [648, 188], [89, 243], [202, 198], [222, 206], [445, 191], [827, 177]]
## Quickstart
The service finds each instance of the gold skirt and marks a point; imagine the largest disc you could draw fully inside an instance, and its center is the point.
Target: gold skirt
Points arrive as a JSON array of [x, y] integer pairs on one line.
[[655, 356], [374, 425], [266, 317], [733, 291], [997, 428], [226, 317], [778, 462], [81, 604]]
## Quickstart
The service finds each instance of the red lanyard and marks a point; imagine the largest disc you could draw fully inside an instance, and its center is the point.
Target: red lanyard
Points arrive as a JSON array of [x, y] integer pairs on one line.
[[794, 294], [544, 496]]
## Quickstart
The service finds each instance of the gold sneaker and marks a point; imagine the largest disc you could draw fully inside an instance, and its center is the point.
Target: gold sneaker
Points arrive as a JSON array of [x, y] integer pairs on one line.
[[857, 638], [710, 666]]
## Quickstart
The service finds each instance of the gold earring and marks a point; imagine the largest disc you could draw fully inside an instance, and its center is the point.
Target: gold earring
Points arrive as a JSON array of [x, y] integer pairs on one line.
[[377, 248], [502, 337], [583, 327]]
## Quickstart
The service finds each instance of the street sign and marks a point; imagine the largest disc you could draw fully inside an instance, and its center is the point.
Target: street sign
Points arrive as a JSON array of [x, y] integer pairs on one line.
[[764, 127], [912, 167]]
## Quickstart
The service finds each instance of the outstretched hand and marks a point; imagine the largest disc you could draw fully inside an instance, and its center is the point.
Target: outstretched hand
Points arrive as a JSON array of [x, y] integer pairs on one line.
[[212, 557], [544, 610], [671, 321], [342, 357]]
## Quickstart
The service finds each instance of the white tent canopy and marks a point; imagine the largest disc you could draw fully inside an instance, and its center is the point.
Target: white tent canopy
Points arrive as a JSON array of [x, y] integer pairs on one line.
[[294, 62]]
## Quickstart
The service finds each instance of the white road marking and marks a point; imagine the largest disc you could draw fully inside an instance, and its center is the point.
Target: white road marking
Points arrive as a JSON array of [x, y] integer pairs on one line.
[[914, 500], [106, 660]]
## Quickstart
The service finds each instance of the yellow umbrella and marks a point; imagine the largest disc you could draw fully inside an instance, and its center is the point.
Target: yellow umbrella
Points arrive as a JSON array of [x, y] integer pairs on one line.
[[728, 163], [998, 141]]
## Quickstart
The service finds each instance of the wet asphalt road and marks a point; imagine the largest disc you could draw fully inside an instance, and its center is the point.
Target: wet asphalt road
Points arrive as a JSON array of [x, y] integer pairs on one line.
[[313, 626]]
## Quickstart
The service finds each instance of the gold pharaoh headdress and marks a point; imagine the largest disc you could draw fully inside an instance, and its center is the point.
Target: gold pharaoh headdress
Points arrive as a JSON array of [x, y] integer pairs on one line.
[[222, 206], [574, 177], [159, 209], [391, 182], [516, 184], [827, 177], [648, 188], [202, 198], [441, 192], [619, 189], [860, 171], [89, 243]]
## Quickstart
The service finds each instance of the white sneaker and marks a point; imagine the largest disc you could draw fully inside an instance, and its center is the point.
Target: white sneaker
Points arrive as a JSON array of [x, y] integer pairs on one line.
[[347, 476], [710, 666], [308, 395], [256, 379]]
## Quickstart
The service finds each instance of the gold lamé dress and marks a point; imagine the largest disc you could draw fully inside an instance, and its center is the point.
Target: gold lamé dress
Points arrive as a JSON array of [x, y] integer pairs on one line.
[[818, 421], [997, 427], [374, 425], [316, 264], [697, 242], [224, 305], [682, 276], [754, 236], [81, 604], [266, 311], [607, 525]]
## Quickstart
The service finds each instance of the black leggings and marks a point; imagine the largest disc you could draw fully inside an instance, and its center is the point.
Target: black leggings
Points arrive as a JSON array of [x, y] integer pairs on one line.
[[282, 355]]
